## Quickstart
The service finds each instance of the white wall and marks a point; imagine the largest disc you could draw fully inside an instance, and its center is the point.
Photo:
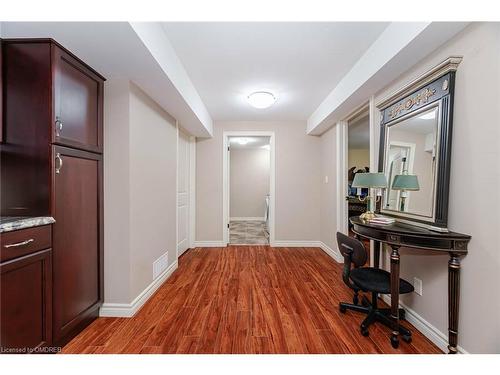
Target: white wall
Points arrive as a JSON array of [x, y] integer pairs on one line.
[[298, 186], [358, 157], [329, 190], [139, 190], [153, 165], [249, 182], [473, 207], [116, 192]]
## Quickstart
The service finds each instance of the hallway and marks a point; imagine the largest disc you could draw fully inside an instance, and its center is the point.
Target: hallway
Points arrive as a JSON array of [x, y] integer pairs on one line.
[[248, 233], [245, 299]]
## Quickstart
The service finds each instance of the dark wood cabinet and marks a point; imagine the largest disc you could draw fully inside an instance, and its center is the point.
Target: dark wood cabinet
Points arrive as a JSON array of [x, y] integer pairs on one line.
[[25, 161], [77, 254], [51, 165], [77, 103], [25, 285], [1, 93]]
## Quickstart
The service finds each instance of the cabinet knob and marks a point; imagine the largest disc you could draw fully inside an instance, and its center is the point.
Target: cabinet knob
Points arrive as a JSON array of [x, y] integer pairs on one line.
[[59, 163], [59, 126]]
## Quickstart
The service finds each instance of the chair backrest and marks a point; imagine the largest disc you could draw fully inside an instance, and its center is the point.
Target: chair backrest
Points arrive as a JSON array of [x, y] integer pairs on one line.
[[352, 249]]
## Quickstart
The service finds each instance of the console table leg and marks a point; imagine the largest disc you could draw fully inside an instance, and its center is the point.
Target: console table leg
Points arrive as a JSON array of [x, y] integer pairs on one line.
[[453, 301], [395, 295], [376, 254]]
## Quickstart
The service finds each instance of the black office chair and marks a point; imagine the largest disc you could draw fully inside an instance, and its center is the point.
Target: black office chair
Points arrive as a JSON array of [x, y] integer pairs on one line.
[[369, 279]]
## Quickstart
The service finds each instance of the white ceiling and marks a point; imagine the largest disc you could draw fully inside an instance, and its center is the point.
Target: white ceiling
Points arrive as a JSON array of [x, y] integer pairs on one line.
[[299, 62]]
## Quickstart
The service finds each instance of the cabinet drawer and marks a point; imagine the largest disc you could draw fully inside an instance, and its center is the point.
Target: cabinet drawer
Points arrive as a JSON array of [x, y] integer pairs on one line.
[[25, 241]]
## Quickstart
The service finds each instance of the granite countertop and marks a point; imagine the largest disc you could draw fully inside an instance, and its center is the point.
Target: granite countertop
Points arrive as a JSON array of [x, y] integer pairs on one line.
[[10, 223]]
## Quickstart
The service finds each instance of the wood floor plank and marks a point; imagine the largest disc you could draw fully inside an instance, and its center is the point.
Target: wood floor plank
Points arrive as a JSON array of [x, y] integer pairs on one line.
[[241, 343], [246, 299], [212, 326]]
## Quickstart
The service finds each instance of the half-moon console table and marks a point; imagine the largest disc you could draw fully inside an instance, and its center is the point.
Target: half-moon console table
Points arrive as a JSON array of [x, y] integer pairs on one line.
[[404, 235]]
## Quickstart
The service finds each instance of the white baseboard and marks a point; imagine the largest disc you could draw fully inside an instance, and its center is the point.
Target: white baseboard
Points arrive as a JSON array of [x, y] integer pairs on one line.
[[246, 219], [278, 243], [209, 244], [427, 329], [128, 310], [334, 253]]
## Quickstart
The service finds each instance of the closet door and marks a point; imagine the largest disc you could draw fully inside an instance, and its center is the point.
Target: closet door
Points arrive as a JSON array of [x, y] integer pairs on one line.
[[77, 239], [77, 92], [183, 190]]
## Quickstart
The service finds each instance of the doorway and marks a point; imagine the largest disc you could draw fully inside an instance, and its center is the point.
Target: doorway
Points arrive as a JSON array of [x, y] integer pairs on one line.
[[358, 161], [248, 188], [355, 154]]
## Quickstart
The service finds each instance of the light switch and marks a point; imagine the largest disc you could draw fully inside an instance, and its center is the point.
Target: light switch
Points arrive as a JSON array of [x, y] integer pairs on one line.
[[326, 179]]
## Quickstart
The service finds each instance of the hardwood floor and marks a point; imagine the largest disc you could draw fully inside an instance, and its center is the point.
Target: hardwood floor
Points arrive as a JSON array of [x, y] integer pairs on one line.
[[246, 299]]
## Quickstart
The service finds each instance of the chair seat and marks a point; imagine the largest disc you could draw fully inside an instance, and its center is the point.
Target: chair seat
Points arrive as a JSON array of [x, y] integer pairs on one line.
[[376, 280]]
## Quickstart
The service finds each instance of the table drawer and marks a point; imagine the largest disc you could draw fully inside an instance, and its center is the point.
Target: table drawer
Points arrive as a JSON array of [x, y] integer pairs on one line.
[[25, 241]]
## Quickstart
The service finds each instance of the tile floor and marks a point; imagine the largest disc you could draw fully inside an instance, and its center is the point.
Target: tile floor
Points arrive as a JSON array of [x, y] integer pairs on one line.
[[248, 233]]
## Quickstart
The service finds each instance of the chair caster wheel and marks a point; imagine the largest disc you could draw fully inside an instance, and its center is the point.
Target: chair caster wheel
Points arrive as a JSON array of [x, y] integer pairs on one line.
[[394, 342], [406, 339], [342, 309], [364, 331]]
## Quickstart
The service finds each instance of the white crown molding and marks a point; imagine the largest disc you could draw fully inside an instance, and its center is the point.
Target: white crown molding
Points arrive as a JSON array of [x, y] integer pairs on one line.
[[128, 310], [448, 65], [427, 329]]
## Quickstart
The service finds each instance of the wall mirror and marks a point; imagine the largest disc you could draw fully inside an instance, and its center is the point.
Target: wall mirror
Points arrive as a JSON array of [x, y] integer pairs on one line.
[[415, 149], [411, 164]]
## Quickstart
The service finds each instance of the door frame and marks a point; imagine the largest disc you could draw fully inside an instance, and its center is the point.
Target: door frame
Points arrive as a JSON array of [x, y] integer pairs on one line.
[[342, 160], [226, 180]]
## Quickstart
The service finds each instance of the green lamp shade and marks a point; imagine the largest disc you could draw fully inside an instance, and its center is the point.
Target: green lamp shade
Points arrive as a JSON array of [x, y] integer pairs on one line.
[[369, 180], [405, 182]]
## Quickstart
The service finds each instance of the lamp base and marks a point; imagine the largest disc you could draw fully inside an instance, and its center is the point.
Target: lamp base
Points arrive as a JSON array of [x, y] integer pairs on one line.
[[367, 216]]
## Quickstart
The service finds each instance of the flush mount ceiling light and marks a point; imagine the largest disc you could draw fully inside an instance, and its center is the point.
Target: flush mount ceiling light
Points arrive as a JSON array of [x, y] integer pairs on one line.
[[261, 99], [241, 141]]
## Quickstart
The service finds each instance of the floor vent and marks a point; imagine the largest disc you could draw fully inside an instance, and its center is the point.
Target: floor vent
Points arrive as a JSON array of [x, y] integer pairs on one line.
[[160, 265]]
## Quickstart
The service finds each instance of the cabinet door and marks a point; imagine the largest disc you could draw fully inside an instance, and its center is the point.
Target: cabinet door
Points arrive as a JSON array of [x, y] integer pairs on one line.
[[26, 302], [78, 97], [77, 239]]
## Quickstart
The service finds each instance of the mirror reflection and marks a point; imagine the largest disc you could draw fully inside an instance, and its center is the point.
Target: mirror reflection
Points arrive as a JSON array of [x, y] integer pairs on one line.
[[410, 164]]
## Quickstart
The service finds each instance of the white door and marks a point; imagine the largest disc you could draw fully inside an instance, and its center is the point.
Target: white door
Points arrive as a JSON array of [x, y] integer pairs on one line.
[[183, 173]]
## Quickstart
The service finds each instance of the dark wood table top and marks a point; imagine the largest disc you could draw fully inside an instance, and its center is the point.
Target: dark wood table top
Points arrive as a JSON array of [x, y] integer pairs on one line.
[[408, 235]]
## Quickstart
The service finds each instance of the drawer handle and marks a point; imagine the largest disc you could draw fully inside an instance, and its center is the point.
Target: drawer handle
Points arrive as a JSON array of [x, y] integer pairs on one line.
[[18, 244], [59, 163]]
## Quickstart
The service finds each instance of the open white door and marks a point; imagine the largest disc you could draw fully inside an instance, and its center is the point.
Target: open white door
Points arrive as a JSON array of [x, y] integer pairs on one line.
[[183, 193]]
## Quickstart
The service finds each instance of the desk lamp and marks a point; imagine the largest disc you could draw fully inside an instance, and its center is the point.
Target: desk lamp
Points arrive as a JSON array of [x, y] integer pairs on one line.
[[370, 181]]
